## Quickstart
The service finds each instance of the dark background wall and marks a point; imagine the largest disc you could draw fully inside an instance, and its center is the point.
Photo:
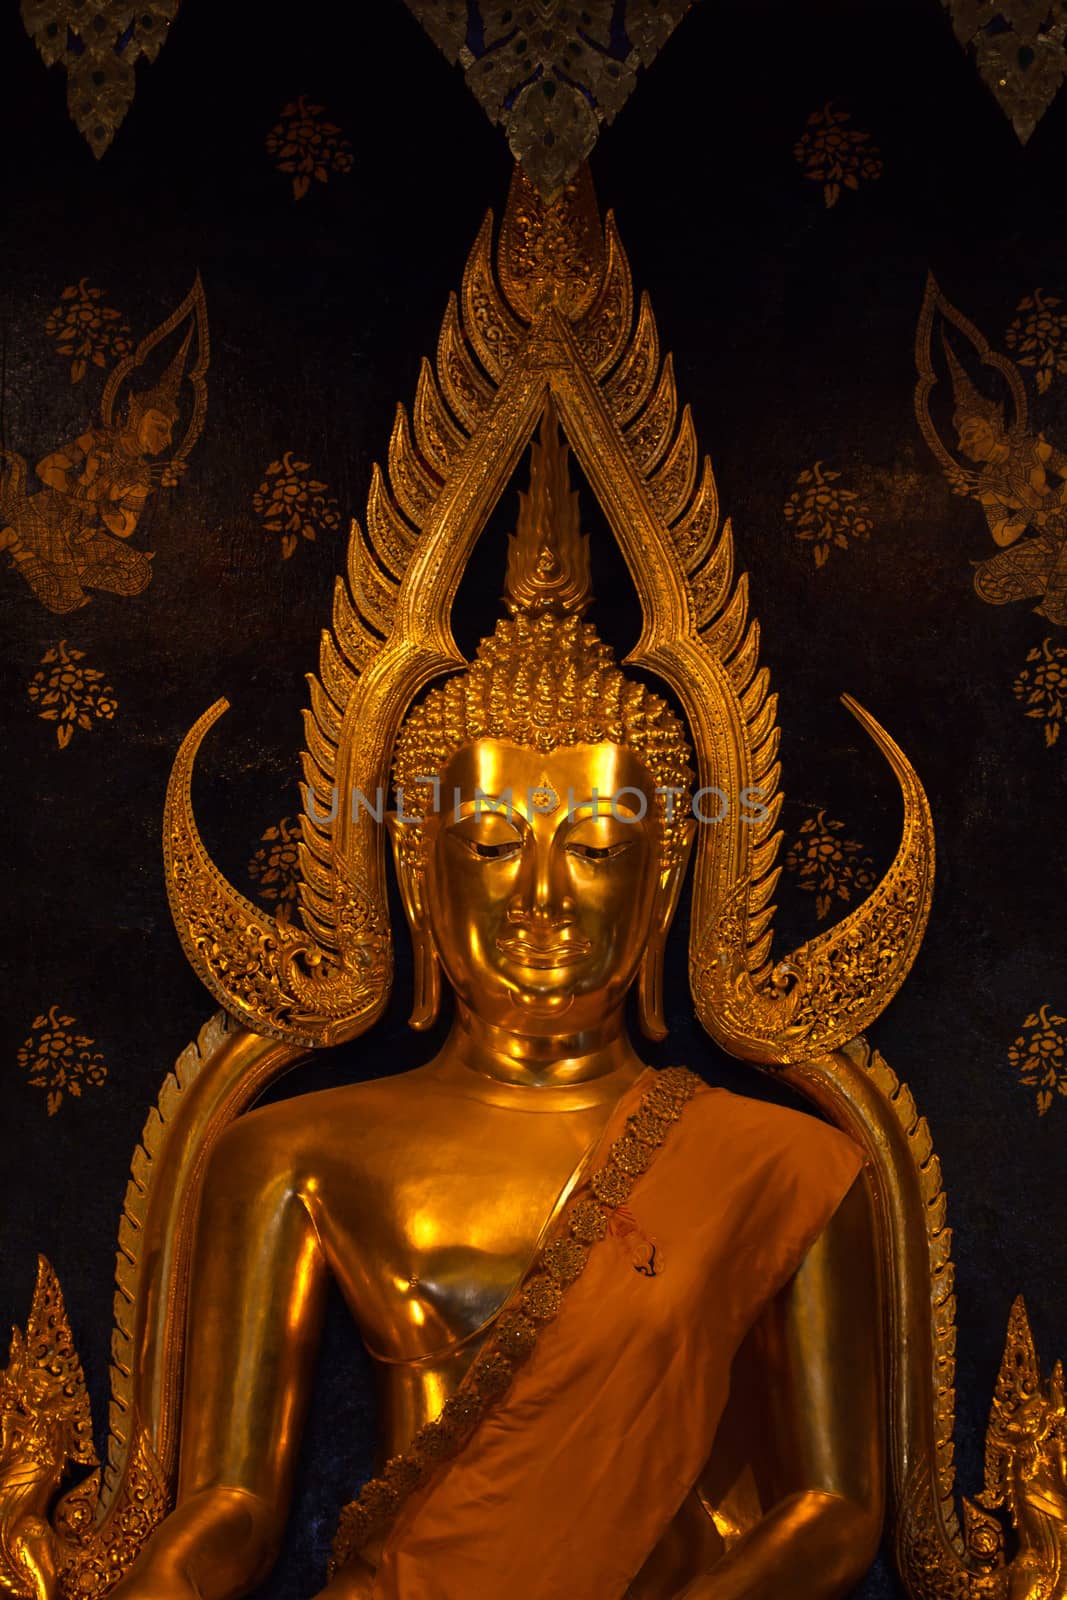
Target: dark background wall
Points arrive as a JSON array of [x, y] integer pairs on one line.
[[793, 326]]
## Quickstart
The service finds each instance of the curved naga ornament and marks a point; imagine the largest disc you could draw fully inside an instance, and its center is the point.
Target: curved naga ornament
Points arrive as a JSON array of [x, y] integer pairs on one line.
[[551, 314]]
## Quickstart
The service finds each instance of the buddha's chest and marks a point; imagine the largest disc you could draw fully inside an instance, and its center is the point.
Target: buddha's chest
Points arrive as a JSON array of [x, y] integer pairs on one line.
[[432, 1231]]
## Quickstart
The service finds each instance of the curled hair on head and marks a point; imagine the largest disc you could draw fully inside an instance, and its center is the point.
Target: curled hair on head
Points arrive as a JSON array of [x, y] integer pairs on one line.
[[544, 682], [544, 678]]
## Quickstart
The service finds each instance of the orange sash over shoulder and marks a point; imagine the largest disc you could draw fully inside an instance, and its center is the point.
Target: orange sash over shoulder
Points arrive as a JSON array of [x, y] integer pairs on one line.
[[567, 1483]]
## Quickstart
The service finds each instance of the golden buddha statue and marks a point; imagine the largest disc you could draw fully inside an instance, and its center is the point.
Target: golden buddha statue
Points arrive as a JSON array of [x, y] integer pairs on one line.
[[635, 1336]]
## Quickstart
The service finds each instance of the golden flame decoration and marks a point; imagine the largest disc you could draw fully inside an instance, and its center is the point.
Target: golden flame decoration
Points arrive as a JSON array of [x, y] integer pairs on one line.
[[548, 555], [545, 325]]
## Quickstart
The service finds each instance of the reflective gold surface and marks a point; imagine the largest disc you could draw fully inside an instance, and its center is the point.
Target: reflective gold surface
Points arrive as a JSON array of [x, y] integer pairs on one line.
[[539, 855]]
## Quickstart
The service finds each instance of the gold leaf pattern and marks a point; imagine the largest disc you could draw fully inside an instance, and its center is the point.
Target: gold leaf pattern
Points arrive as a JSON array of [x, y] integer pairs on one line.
[[1039, 334], [87, 331], [59, 1060], [70, 695], [550, 74], [275, 867], [825, 513], [99, 45], [1039, 1055], [1042, 687], [1019, 52], [307, 146], [829, 866], [292, 503], [835, 155]]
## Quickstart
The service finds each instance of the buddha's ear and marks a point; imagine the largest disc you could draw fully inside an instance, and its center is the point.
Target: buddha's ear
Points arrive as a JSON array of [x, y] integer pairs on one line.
[[671, 879], [408, 875], [650, 975], [427, 968]]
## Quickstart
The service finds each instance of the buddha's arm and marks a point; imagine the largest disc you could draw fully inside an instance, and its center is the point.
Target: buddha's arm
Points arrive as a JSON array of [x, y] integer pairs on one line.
[[256, 1302], [822, 1461]]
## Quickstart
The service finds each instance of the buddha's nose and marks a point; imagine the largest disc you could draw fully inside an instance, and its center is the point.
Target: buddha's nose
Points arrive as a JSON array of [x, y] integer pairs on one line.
[[542, 901]]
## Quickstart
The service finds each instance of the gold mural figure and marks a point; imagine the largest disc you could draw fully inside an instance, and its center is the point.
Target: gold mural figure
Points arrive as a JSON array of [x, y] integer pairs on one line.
[[576, 1339], [71, 535], [1016, 475]]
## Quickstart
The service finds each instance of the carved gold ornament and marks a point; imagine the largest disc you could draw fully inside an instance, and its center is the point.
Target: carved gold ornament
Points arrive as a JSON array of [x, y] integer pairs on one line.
[[548, 313], [544, 328], [549, 72], [98, 42], [1020, 50]]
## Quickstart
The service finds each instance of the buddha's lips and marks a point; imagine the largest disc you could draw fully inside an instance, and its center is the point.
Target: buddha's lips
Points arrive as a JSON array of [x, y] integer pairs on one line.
[[562, 954]]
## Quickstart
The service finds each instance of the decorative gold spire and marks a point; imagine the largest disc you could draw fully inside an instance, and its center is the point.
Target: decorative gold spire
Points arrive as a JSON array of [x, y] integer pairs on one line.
[[548, 555], [569, 333]]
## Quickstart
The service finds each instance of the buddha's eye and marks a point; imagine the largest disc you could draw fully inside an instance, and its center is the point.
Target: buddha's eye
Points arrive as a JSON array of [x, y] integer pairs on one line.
[[490, 838], [598, 852], [491, 852]]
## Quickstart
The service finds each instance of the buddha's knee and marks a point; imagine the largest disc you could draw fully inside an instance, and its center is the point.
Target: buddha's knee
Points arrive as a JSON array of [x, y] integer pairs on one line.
[[216, 1545]]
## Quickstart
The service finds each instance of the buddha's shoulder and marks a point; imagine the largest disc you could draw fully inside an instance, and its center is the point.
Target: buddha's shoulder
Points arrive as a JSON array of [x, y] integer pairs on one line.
[[363, 1108], [764, 1132]]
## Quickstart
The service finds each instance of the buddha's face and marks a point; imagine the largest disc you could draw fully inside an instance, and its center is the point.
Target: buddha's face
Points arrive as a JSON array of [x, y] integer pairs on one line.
[[540, 910]]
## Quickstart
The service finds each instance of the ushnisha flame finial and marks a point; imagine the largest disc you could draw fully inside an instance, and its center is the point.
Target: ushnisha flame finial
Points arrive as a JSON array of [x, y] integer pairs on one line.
[[548, 555]]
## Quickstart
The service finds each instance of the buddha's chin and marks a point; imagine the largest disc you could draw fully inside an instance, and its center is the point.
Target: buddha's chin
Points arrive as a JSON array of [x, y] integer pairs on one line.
[[537, 1003]]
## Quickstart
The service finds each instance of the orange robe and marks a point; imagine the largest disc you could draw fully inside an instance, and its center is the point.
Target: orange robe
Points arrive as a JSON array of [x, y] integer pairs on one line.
[[567, 1486]]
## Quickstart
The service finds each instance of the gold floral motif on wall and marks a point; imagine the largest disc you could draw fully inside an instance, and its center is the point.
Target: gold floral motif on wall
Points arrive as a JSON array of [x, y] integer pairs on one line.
[[308, 147], [1039, 1055], [1039, 335], [824, 513], [1042, 687], [71, 533], [85, 330], [290, 502], [837, 156], [59, 1060], [69, 694], [828, 865], [275, 867]]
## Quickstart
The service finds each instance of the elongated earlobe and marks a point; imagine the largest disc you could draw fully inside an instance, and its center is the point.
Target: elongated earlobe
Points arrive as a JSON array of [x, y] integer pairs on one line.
[[427, 1001], [650, 973], [650, 990]]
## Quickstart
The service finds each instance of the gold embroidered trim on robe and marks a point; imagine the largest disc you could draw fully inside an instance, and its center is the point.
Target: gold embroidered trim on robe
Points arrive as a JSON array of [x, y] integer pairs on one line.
[[583, 1224]]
